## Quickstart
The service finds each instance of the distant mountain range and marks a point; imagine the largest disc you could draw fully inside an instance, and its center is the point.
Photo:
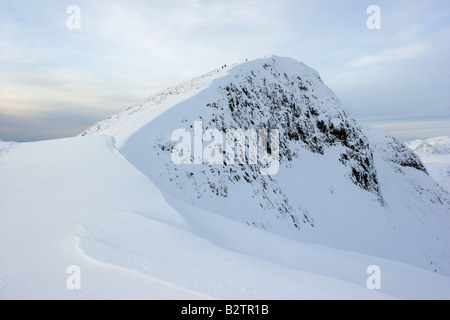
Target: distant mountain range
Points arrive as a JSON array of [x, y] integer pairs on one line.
[[435, 154]]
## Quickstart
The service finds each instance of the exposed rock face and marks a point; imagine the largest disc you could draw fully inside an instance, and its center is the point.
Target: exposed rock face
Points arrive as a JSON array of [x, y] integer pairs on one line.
[[274, 93]]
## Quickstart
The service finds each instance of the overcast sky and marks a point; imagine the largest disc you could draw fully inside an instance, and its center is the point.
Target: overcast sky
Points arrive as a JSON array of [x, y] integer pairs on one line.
[[56, 81]]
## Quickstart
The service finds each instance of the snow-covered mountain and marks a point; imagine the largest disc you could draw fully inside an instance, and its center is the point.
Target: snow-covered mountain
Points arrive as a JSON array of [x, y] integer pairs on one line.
[[328, 173], [432, 146], [113, 201], [435, 155]]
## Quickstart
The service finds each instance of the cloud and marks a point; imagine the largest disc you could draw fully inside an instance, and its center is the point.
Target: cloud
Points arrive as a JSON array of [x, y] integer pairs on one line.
[[391, 55], [410, 130], [45, 89], [44, 125], [185, 33]]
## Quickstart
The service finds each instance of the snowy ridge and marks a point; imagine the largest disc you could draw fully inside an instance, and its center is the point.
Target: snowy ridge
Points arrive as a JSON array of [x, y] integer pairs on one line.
[[394, 151], [327, 161]]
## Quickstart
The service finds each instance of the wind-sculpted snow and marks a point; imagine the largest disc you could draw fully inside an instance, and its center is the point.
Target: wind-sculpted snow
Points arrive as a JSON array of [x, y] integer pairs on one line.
[[395, 152]]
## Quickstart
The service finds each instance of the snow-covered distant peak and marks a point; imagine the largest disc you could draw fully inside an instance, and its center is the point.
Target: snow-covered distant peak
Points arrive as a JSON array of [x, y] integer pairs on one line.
[[439, 141], [435, 154], [432, 146]]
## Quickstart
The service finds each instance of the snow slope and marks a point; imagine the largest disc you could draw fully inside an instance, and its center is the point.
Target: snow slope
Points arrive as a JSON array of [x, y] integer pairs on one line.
[[112, 202], [435, 155], [81, 203]]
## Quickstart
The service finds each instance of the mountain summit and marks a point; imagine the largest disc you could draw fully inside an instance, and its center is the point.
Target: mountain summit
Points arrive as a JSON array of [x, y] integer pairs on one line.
[[336, 182]]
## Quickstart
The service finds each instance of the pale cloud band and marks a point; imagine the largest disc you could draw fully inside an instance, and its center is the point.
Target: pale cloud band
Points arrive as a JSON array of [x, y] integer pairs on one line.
[[391, 55], [410, 130]]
